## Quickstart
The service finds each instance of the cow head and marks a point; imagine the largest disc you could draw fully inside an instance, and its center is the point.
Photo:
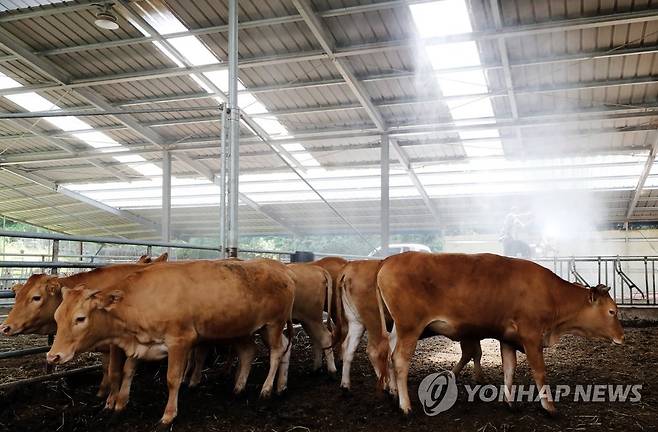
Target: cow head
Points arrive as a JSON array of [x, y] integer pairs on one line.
[[82, 321], [34, 307], [599, 317]]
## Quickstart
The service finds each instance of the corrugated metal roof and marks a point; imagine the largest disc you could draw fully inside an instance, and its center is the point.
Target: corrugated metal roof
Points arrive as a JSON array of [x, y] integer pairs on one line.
[[593, 101]]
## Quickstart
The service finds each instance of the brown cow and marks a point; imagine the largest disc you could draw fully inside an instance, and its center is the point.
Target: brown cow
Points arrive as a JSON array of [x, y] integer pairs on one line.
[[312, 286], [334, 265], [205, 301], [358, 290], [518, 302], [37, 299]]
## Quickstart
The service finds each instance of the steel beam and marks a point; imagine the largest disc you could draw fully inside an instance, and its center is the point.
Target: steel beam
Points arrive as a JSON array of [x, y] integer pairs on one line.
[[48, 184], [515, 31], [406, 164], [166, 197], [384, 201], [642, 180]]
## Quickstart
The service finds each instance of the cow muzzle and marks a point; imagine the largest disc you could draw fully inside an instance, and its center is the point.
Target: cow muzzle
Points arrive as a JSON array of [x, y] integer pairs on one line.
[[618, 340], [7, 330], [57, 358]]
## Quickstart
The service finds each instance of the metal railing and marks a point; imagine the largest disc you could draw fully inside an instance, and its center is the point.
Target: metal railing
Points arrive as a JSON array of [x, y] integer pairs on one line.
[[632, 279], [21, 265]]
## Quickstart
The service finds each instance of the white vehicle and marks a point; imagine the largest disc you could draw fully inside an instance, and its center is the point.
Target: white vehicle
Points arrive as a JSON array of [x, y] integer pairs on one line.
[[397, 248]]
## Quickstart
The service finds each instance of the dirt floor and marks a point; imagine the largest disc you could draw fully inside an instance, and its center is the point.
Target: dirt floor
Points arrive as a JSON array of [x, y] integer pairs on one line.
[[314, 402]]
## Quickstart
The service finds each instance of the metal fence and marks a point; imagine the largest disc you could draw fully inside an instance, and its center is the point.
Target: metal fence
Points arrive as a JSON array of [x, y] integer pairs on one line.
[[632, 279]]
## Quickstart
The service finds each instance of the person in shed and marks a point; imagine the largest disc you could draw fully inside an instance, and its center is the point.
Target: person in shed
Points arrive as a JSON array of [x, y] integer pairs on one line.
[[514, 225]]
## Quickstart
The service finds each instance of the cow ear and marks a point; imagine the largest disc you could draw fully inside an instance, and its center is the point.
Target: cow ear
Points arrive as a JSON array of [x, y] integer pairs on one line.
[[66, 290], [144, 259], [162, 258], [111, 299], [53, 286], [598, 291], [17, 287]]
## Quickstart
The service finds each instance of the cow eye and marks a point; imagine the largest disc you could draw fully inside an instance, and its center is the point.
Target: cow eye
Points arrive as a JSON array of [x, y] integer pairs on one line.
[[36, 298], [80, 319], [612, 312]]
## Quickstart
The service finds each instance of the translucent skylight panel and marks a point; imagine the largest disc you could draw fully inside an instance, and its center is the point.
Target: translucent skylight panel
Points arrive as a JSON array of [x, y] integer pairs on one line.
[[148, 169], [249, 104], [272, 126], [32, 102], [68, 123], [441, 18], [483, 149], [220, 79], [97, 140], [160, 17], [129, 158], [6, 82], [476, 108], [463, 83], [479, 134], [193, 50], [453, 55]]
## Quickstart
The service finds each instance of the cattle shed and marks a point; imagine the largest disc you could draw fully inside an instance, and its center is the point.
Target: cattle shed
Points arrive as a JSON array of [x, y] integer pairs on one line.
[[301, 129]]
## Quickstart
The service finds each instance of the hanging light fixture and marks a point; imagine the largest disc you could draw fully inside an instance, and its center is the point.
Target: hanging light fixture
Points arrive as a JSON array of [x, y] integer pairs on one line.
[[105, 17]]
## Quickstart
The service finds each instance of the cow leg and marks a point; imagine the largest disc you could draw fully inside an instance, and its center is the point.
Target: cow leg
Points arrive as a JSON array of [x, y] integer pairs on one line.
[[117, 361], [404, 349], [392, 379], [322, 341], [508, 355], [535, 356], [378, 354], [178, 353], [317, 346], [282, 377], [104, 387], [274, 338], [200, 354], [246, 351], [354, 333], [470, 350], [129, 369]]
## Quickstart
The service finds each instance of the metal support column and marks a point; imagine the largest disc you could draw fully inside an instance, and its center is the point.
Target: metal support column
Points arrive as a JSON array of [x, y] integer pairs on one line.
[[384, 200], [234, 127], [166, 196], [223, 160]]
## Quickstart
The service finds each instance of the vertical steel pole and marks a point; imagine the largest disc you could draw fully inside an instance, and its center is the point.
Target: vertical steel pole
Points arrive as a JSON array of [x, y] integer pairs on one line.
[[234, 125], [384, 194], [166, 196], [222, 185]]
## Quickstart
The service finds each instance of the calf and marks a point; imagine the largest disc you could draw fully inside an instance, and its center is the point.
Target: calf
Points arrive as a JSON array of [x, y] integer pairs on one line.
[[358, 290], [312, 286], [518, 302], [205, 301]]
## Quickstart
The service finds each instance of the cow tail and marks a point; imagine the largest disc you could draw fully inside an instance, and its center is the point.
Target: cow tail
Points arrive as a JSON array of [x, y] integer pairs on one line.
[[338, 323], [290, 333], [329, 286], [383, 377]]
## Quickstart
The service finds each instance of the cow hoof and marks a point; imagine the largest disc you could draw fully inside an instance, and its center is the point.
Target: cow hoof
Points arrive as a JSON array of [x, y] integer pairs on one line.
[[162, 427], [265, 394], [550, 413], [282, 393], [332, 376]]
